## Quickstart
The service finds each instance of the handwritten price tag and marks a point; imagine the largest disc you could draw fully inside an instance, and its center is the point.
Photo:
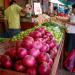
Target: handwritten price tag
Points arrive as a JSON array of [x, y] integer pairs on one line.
[[37, 8]]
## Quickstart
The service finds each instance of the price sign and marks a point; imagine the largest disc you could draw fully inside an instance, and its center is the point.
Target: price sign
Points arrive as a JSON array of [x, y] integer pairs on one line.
[[37, 8]]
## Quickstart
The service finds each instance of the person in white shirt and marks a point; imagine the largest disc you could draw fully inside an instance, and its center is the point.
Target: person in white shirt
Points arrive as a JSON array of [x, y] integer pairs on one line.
[[69, 63], [71, 31]]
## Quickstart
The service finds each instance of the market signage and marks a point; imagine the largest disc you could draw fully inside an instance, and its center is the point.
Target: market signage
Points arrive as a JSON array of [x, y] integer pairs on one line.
[[37, 8], [45, 5]]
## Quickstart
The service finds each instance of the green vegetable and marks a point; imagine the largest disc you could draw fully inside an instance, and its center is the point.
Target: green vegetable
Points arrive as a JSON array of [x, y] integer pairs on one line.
[[22, 34], [2, 40], [56, 30]]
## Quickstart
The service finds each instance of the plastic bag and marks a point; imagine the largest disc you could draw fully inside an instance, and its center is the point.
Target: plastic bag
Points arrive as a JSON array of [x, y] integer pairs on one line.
[[69, 63]]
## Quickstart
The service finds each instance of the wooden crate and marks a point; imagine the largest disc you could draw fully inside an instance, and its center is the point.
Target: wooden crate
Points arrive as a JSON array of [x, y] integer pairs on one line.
[[54, 67], [4, 46], [9, 72], [56, 61]]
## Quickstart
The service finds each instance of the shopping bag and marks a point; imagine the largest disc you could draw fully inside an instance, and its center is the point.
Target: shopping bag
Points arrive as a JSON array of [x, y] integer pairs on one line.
[[69, 63]]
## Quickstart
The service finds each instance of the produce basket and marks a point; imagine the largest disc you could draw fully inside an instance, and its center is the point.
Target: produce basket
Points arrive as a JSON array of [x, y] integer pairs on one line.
[[54, 67]]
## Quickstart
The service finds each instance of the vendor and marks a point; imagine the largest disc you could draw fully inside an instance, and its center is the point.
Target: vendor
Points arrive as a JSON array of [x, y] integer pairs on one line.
[[71, 42], [12, 19]]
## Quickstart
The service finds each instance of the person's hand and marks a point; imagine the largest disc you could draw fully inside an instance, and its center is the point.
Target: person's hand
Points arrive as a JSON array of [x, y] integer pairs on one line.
[[71, 23]]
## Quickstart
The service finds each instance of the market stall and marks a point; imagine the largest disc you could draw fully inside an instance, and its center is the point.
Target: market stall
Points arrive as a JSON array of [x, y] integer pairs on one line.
[[36, 50], [45, 33]]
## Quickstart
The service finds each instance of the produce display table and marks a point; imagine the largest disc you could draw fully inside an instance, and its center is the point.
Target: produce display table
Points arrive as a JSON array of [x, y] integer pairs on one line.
[[54, 68], [9, 72], [58, 20], [4, 45]]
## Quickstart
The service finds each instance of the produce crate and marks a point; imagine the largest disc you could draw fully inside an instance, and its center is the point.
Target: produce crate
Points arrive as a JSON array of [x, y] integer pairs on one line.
[[54, 67], [4, 46], [56, 61]]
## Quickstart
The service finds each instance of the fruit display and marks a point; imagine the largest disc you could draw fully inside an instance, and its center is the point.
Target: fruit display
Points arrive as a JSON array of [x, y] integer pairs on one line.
[[41, 19], [34, 56], [22, 34], [56, 30]]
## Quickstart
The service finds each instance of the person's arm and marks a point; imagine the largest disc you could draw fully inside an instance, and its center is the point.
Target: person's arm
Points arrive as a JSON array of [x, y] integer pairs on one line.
[[20, 9], [63, 19], [71, 23], [23, 10]]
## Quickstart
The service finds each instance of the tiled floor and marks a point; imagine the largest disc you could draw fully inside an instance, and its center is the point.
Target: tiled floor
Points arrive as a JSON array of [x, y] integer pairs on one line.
[[64, 72]]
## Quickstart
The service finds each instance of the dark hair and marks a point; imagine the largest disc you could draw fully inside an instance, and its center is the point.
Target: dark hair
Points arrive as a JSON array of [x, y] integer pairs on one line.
[[55, 8], [12, 1], [73, 6]]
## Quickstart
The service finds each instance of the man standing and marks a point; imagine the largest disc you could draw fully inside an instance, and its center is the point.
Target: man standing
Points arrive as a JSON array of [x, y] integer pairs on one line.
[[12, 19]]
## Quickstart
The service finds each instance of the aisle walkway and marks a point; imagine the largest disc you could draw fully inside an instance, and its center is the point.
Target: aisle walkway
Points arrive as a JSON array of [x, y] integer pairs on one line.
[[64, 72]]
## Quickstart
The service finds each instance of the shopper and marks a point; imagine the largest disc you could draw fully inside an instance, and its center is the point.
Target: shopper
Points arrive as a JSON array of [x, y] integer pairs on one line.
[[28, 10], [67, 10], [69, 63], [71, 30], [55, 11], [12, 19]]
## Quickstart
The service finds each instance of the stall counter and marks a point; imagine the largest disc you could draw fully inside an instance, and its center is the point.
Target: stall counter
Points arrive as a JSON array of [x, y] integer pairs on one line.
[[27, 23]]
